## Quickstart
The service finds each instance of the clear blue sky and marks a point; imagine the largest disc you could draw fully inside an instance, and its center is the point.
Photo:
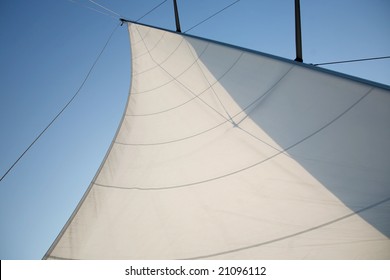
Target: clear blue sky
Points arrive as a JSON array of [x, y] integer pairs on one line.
[[47, 48]]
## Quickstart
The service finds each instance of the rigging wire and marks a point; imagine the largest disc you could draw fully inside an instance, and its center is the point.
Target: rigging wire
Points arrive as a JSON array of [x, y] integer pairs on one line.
[[105, 8], [151, 10], [213, 15], [92, 9], [352, 60], [66, 105]]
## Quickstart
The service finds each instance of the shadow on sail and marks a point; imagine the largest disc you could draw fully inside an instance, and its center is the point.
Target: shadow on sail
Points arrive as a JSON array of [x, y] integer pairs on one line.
[[335, 127], [226, 153]]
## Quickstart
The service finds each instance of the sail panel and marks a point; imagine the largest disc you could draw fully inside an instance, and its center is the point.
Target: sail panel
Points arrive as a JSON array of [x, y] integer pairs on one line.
[[224, 153]]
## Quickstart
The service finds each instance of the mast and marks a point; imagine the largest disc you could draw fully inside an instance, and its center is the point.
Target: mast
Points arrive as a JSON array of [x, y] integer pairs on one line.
[[176, 17], [298, 36]]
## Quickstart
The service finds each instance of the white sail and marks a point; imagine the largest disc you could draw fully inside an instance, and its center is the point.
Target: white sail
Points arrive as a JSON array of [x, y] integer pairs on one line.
[[226, 153]]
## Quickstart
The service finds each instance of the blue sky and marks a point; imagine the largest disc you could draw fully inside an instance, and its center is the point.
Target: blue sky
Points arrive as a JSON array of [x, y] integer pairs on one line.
[[48, 47]]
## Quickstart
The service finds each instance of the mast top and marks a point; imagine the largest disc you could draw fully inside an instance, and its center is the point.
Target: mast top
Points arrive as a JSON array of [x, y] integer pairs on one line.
[[176, 16]]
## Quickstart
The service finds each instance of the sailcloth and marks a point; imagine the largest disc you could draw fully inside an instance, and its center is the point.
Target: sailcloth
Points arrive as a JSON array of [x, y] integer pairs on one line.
[[227, 153]]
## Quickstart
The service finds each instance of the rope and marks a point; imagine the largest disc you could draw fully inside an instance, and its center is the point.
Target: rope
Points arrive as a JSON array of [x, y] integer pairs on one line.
[[213, 15], [151, 10], [353, 60], [64, 108]]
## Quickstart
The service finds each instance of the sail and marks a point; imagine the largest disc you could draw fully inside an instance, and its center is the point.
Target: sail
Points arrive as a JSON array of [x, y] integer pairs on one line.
[[227, 153]]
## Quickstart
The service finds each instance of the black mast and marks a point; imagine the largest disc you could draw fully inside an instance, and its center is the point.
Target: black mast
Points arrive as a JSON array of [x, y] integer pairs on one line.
[[298, 36], [176, 16]]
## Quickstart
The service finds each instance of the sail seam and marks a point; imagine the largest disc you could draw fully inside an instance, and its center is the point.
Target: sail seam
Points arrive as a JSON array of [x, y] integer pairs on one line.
[[257, 163], [226, 120], [258, 100], [211, 85], [176, 79], [195, 95], [140, 40], [172, 141], [155, 46], [102, 210], [230, 118], [169, 56], [162, 85], [207, 130], [173, 78], [294, 234]]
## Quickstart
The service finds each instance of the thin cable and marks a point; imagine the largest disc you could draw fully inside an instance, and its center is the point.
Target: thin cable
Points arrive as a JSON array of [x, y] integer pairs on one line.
[[353, 60], [101, 6], [66, 105], [92, 9], [213, 15], [151, 10]]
